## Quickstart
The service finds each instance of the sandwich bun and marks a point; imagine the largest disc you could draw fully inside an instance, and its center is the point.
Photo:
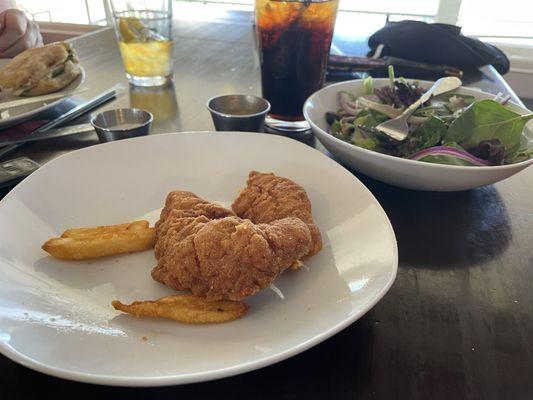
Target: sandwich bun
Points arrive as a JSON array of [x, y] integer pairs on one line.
[[41, 70]]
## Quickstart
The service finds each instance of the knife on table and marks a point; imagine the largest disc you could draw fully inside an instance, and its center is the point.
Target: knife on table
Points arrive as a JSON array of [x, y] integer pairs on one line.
[[49, 134], [338, 63], [68, 116]]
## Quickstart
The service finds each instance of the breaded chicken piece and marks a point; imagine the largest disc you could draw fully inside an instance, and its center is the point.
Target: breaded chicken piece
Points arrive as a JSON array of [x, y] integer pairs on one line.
[[190, 205], [268, 197], [228, 258], [181, 204]]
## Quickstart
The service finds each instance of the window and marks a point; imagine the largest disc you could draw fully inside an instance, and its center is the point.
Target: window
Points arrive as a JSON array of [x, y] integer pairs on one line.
[[510, 22], [69, 11], [419, 8]]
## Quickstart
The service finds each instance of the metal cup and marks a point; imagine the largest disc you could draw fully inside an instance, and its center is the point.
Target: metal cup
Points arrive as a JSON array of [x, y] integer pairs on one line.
[[122, 123], [238, 112]]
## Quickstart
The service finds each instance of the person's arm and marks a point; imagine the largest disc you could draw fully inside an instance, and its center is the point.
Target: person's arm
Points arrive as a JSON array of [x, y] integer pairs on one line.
[[8, 4], [17, 32]]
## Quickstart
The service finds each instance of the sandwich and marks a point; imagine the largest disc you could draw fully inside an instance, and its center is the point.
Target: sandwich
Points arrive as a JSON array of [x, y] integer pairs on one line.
[[41, 70]]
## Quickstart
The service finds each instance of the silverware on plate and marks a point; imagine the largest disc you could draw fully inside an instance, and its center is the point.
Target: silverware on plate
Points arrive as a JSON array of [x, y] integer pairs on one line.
[[35, 99], [68, 116], [397, 128], [49, 134], [109, 125]]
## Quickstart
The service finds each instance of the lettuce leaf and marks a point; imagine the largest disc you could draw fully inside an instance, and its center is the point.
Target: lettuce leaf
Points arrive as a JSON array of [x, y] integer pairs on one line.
[[485, 120], [370, 118], [365, 143], [368, 85], [429, 134], [525, 151], [336, 130], [491, 150]]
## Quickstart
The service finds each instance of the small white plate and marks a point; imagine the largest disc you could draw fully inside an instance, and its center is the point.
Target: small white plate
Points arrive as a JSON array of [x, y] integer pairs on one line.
[[56, 317], [25, 112], [398, 171]]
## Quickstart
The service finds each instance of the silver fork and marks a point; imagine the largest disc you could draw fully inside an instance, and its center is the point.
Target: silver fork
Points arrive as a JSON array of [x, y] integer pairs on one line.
[[397, 128]]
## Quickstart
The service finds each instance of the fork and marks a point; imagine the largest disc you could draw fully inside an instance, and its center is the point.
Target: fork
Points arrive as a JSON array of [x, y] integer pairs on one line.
[[397, 128]]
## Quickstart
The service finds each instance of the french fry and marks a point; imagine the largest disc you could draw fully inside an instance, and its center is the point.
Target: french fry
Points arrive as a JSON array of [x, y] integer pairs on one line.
[[101, 241], [99, 230], [186, 308]]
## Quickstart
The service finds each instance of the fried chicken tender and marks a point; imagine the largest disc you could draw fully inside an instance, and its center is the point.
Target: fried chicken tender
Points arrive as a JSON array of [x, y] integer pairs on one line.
[[229, 258], [268, 198], [205, 248], [179, 205]]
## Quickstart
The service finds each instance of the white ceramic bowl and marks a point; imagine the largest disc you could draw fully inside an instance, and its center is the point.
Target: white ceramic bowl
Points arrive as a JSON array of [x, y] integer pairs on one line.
[[399, 171]]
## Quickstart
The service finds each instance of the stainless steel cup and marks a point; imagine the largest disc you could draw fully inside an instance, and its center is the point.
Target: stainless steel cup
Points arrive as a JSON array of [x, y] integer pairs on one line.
[[122, 123], [238, 112]]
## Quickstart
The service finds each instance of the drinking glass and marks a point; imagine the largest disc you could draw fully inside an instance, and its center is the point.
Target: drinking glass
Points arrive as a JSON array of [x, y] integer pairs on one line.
[[144, 32], [294, 39]]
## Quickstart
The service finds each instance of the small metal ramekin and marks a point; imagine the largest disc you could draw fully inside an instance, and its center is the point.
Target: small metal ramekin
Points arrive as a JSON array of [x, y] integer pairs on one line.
[[238, 112], [122, 123]]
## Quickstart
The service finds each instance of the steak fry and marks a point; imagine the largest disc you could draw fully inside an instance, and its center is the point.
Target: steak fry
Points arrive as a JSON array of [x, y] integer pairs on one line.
[[185, 308]]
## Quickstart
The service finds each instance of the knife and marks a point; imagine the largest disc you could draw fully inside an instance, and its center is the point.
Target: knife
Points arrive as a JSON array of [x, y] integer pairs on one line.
[[352, 64], [49, 134], [73, 113], [35, 99]]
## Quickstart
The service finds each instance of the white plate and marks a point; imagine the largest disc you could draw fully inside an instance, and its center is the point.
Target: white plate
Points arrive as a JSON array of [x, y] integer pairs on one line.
[[23, 113], [395, 170], [56, 317]]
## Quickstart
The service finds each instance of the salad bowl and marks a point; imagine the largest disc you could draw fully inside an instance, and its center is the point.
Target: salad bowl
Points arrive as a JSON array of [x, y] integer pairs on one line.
[[405, 172]]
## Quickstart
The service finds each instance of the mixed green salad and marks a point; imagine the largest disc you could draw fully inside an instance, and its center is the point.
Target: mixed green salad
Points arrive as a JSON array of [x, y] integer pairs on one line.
[[453, 129]]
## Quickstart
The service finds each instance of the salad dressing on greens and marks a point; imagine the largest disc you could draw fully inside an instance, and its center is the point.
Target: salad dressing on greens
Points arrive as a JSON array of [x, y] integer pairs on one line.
[[453, 129]]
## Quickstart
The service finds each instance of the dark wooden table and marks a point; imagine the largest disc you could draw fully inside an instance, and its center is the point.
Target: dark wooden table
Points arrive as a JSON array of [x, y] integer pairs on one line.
[[458, 321]]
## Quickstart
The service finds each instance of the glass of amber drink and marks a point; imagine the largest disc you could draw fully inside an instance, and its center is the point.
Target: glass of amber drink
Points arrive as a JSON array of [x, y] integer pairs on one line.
[[144, 32], [294, 39]]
